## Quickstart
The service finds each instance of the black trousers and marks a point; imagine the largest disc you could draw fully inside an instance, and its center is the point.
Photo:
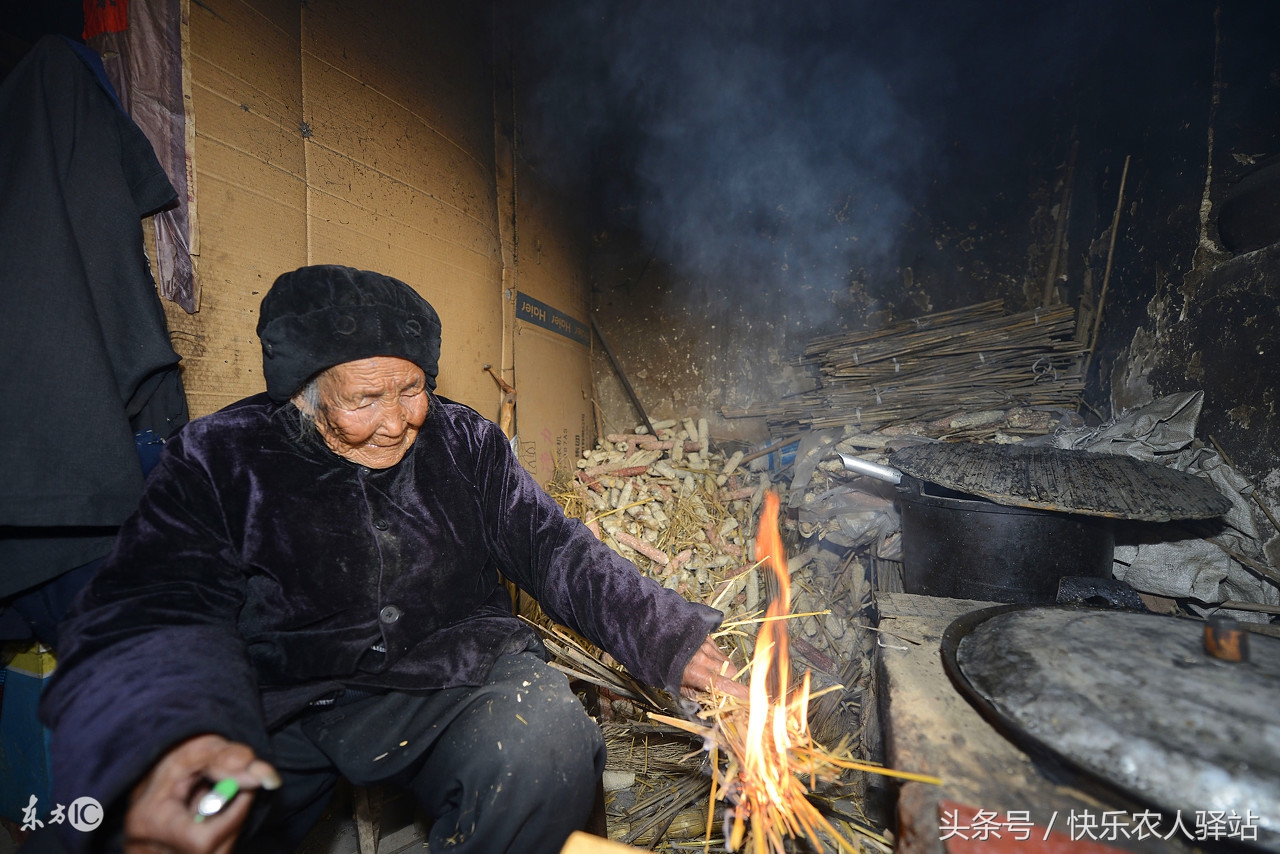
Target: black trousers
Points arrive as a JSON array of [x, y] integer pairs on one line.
[[511, 765]]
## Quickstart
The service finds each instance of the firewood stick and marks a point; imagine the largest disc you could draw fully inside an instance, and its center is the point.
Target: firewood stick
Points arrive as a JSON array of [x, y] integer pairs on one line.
[[714, 538], [680, 560], [739, 494], [650, 443], [642, 547], [612, 471], [624, 437]]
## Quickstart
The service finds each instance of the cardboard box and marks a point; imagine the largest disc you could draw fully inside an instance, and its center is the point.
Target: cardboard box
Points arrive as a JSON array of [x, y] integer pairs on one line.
[[552, 364], [552, 334]]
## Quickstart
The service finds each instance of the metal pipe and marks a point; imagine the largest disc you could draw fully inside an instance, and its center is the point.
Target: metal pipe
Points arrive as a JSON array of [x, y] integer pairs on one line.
[[869, 469]]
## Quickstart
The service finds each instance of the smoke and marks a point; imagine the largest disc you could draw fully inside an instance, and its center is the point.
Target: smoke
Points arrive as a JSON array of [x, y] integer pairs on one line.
[[772, 151]]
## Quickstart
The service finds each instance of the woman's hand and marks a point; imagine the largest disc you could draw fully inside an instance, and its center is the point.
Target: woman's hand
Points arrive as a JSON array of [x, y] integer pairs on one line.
[[162, 808], [709, 668]]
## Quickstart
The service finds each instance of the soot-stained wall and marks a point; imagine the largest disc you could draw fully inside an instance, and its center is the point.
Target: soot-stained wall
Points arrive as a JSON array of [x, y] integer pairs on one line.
[[766, 176], [1189, 308]]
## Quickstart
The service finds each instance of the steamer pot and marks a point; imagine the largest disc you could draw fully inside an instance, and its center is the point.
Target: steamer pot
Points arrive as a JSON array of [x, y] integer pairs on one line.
[[963, 546], [966, 547]]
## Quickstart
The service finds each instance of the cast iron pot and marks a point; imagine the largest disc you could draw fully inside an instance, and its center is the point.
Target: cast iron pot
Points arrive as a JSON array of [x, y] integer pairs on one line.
[[965, 547]]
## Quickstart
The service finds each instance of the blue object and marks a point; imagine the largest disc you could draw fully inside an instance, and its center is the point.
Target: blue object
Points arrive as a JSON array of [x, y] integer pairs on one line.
[[149, 446], [25, 763], [784, 456]]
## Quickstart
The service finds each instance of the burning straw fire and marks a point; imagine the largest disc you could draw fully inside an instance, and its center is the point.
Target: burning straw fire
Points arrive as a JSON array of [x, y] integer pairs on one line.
[[769, 751]]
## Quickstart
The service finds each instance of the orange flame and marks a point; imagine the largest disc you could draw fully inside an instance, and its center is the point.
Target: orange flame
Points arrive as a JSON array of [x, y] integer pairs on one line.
[[776, 717], [770, 663], [769, 755]]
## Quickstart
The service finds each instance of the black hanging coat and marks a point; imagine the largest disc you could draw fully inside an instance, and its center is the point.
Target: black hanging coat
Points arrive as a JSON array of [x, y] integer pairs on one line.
[[83, 340]]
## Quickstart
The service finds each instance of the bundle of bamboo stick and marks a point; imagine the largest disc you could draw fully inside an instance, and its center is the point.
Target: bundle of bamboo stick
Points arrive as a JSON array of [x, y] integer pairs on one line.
[[969, 359]]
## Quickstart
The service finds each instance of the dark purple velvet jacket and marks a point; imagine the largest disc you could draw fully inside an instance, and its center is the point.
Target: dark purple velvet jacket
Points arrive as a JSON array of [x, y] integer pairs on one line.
[[261, 571]]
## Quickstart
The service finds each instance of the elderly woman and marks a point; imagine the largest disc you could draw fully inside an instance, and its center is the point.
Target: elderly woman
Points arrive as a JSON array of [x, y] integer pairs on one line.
[[310, 589]]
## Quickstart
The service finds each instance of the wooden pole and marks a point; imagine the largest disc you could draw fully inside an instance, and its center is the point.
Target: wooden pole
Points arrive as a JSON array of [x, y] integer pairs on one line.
[[507, 417], [1249, 606], [1065, 205], [1106, 276], [626, 384], [1253, 492], [770, 448]]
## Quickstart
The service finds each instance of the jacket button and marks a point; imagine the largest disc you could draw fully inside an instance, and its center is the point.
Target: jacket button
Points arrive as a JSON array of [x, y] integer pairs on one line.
[[389, 614], [380, 524]]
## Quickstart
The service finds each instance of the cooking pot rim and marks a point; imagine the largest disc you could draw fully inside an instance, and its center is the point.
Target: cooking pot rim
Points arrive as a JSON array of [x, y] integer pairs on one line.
[[912, 490]]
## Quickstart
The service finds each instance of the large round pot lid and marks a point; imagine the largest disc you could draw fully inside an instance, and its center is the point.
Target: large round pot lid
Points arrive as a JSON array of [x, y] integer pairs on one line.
[[1069, 481], [1131, 704]]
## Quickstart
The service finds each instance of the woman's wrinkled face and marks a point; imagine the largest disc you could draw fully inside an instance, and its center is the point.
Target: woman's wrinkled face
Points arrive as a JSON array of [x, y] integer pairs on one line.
[[371, 409]]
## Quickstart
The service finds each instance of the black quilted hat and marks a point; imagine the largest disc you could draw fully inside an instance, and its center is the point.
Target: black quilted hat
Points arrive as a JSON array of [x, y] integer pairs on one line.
[[316, 317]]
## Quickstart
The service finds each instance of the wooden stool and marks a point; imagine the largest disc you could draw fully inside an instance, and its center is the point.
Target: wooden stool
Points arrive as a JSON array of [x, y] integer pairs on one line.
[[368, 816], [368, 804]]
